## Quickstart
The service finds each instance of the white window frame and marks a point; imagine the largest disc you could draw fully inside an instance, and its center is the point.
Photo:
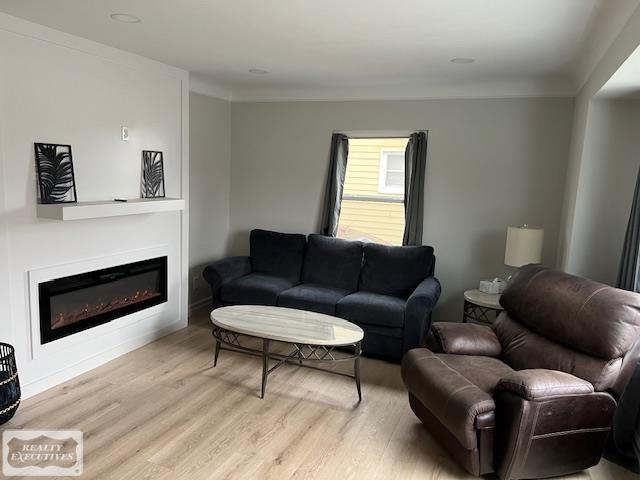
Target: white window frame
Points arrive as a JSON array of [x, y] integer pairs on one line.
[[382, 174]]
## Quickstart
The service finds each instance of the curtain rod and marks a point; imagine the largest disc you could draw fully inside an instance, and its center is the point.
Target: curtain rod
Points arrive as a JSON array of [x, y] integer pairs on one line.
[[355, 134]]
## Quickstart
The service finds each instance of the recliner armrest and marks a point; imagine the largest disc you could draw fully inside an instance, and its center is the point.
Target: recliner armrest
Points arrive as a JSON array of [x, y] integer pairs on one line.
[[464, 339], [535, 384], [223, 271]]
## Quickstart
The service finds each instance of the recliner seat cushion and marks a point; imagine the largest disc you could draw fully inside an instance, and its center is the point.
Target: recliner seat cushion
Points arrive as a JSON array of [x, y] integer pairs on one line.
[[277, 254], [395, 271], [316, 298], [484, 372], [524, 349], [372, 309], [454, 388], [254, 289], [334, 262]]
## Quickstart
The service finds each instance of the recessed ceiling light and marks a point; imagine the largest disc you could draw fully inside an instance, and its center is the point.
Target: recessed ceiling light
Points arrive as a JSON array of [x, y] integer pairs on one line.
[[258, 71], [462, 60], [125, 18]]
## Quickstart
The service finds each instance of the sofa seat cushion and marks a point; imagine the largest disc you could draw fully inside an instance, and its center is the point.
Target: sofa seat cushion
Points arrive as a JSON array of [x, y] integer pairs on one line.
[[334, 262], [277, 254], [254, 289], [395, 271], [309, 296], [454, 388], [372, 309]]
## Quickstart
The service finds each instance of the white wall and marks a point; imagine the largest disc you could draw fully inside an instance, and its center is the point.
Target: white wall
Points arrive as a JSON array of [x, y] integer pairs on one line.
[[491, 163], [609, 169], [209, 187], [575, 192], [6, 326], [63, 89]]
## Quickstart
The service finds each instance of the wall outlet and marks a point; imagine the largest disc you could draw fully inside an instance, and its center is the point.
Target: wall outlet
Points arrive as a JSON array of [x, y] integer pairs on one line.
[[124, 133], [195, 284]]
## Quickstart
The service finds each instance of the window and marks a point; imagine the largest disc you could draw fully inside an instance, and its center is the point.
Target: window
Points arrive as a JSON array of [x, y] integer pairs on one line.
[[373, 197], [391, 173]]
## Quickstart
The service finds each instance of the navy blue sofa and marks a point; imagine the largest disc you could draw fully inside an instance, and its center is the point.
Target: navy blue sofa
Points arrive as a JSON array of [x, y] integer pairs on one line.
[[389, 292]]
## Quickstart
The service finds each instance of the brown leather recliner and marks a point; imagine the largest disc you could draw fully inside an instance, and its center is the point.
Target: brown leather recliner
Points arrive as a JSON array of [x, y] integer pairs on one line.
[[533, 395]]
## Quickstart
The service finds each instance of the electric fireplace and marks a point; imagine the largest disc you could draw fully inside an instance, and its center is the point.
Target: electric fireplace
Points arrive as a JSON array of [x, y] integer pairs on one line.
[[72, 304]]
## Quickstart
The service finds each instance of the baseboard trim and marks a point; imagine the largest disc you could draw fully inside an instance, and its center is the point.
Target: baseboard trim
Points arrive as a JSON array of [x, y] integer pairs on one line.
[[199, 305]]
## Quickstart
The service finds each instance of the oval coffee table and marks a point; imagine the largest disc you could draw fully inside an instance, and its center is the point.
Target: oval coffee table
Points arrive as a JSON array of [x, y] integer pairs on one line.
[[315, 337]]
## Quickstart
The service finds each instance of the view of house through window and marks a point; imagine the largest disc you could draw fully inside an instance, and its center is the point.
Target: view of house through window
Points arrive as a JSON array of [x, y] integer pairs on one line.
[[373, 197]]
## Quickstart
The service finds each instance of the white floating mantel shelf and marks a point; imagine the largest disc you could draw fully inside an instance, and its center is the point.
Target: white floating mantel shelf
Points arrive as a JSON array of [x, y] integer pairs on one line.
[[110, 208]]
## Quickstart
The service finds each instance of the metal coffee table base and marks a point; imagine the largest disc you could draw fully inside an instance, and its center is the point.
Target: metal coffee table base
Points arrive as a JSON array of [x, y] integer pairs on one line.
[[301, 355]]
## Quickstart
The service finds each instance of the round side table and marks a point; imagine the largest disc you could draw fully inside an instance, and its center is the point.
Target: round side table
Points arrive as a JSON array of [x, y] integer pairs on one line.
[[480, 307]]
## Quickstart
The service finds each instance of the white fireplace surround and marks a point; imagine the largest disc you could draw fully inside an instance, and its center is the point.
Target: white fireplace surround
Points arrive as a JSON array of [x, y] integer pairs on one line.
[[91, 92], [40, 275]]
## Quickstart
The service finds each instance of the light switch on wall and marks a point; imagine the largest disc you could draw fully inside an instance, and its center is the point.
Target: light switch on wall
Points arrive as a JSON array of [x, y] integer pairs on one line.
[[124, 134]]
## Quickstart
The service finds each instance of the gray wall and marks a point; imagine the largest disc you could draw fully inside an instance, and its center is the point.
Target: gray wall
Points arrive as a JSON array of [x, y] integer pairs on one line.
[[621, 48], [209, 184], [609, 168], [492, 163]]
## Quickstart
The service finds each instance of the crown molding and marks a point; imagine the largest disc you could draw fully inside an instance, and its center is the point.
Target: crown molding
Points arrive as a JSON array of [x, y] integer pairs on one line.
[[204, 86], [562, 88]]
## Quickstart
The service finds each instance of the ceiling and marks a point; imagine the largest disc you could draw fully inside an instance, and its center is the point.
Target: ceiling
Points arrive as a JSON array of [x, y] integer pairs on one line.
[[323, 49], [625, 82]]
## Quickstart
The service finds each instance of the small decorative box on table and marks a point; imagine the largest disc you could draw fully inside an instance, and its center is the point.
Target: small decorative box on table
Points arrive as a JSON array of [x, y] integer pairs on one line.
[[481, 307]]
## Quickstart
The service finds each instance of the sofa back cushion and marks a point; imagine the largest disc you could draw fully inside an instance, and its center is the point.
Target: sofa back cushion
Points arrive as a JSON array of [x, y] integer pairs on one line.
[[580, 314], [278, 254], [395, 271], [333, 262]]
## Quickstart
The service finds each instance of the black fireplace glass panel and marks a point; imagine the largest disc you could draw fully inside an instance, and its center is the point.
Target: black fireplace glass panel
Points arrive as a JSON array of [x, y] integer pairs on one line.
[[71, 304]]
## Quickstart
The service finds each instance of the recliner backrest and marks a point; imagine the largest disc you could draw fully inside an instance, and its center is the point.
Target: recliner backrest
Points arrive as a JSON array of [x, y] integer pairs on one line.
[[559, 321]]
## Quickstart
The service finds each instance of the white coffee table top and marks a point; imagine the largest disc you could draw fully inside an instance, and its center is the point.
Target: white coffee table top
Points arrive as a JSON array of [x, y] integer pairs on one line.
[[287, 325]]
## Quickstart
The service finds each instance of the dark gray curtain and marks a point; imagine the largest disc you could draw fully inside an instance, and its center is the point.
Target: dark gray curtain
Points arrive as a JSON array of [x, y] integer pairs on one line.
[[629, 266], [623, 446], [415, 164], [335, 184]]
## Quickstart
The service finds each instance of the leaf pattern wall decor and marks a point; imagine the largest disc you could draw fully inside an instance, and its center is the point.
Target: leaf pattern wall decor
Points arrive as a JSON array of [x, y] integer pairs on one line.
[[56, 180], [152, 178]]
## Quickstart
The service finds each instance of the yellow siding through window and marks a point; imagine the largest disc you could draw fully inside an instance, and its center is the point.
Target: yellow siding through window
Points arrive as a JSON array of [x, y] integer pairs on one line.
[[367, 220]]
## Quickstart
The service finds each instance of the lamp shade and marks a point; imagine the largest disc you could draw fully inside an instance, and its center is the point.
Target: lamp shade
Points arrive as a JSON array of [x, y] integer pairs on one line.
[[524, 246]]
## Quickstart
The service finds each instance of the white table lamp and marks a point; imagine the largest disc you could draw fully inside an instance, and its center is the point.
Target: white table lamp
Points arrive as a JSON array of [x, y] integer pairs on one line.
[[524, 246]]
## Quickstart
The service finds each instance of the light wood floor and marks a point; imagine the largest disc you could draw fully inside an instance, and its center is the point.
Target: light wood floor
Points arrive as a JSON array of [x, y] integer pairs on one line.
[[162, 412]]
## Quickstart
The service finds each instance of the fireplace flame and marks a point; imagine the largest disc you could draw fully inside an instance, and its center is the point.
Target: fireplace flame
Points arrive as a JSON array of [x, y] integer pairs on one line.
[[87, 311]]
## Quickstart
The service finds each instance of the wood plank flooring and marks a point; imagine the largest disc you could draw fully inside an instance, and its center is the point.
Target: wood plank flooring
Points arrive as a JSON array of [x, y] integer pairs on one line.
[[162, 412]]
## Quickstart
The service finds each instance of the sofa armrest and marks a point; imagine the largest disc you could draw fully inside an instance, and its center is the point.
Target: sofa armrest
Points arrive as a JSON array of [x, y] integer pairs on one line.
[[417, 316], [223, 271], [464, 339], [535, 384]]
